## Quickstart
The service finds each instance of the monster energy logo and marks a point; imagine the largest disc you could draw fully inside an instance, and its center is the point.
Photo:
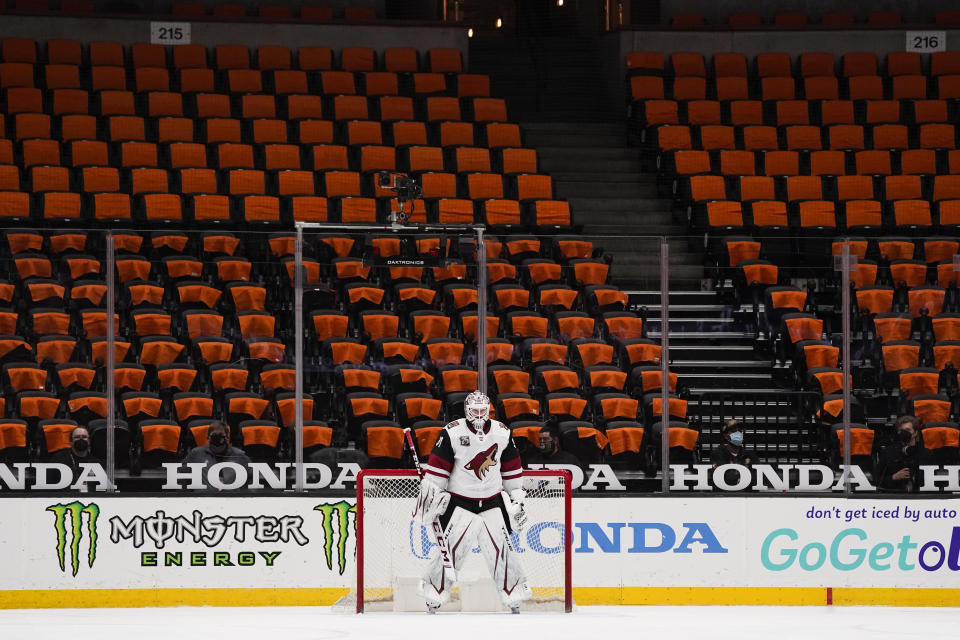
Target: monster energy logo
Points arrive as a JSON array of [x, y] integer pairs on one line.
[[74, 513], [335, 517]]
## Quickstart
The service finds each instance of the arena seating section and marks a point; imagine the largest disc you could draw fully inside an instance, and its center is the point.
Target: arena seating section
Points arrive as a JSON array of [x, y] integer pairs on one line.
[[775, 163], [799, 20], [211, 156], [197, 10]]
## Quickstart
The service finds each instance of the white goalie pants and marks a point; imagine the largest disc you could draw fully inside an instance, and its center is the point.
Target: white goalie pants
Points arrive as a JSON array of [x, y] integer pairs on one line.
[[465, 531]]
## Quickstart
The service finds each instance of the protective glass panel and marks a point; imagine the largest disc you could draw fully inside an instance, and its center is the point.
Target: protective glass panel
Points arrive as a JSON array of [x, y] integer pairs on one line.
[[53, 430], [203, 358]]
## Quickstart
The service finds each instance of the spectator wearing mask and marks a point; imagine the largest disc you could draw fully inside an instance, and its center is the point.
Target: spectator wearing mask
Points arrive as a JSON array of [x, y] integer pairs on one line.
[[216, 450], [732, 451], [549, 452], [78, 453], [898, 463]]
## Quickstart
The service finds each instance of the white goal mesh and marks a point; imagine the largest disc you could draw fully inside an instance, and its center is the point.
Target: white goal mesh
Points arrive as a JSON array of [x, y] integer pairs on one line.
[[393, 546]]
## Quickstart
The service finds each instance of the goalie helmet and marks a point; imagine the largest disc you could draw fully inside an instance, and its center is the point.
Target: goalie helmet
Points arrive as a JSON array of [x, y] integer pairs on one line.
[[476, 408]]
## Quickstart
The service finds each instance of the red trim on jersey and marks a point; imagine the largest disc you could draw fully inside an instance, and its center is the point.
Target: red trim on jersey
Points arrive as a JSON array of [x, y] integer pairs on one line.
[[440, 463], [510, 465], [434, 473]]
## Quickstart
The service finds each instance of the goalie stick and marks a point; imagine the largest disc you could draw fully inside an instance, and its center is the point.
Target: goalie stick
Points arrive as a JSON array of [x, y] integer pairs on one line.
[[441, 538]]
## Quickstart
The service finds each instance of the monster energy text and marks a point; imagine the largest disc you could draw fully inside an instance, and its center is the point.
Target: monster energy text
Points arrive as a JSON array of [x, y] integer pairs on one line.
[[209, 531]]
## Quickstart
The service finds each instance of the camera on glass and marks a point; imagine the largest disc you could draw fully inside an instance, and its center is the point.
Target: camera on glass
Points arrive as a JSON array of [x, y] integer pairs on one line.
[[406, 189]]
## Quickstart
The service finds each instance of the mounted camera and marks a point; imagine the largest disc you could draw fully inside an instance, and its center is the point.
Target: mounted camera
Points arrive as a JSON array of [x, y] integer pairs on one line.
[[407, 190]]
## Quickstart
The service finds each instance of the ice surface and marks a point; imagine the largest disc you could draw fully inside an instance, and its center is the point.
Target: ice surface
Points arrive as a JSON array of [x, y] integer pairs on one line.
[[586, 623]]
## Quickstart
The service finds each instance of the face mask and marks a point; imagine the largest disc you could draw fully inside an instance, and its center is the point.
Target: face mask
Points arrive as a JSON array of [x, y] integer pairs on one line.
[[546, 447], [81, 446], [736, 438], [218, 440], [905, 436]]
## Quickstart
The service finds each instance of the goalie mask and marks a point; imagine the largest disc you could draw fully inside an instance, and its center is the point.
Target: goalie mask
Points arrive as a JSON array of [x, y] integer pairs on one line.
[[476, 408]]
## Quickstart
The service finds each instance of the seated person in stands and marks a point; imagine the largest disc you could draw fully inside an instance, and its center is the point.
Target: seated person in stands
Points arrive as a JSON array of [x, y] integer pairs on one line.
[[216, 450], [549, 452], [897, 466], [732, 450], [78, 453]]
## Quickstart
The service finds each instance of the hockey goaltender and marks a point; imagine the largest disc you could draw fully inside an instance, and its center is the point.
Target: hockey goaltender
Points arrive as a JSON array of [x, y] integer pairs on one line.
[[472, 485]]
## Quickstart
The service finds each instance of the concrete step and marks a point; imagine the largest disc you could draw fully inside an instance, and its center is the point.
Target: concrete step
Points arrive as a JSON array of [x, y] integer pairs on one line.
[[646, 234], [716, 367], [572, 163], [603, 174], [688, 352], [599, 199], [530, 109], [576, 128], [688, 310], [645, 259], [573, 139], [642, 245], [653, 297], [634, 192], [682, 276], [699, 338], [677, 323], [724, 381], [590, 153]]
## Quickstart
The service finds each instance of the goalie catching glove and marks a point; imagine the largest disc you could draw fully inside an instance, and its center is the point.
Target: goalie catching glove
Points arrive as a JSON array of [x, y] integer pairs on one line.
[[514, 505], [433, 501]]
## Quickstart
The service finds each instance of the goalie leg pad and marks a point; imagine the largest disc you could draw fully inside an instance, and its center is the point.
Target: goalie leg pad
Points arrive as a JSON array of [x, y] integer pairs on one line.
[[502, 561], [461, 533]]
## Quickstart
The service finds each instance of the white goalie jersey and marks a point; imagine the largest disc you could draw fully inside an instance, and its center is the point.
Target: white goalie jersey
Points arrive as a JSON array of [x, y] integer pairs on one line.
[[475, 465]]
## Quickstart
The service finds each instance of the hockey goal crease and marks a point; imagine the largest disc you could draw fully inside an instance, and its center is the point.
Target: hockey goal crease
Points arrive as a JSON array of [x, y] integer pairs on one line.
[[393, 547]]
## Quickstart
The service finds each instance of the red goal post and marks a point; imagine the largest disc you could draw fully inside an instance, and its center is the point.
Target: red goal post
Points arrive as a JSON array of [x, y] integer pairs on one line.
[[387, 553]]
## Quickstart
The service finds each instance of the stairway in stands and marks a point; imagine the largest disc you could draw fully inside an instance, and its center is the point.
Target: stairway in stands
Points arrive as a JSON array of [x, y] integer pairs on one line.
[[580, 139], [554, 87], [713, 351]]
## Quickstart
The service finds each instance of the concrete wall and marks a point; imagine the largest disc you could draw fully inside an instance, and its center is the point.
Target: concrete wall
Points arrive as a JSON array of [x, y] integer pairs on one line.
[[717, 11], [147, 7], [133, 30], [750, 43]]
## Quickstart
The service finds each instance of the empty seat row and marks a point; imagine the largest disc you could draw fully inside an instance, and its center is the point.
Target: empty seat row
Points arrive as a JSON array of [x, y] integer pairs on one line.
[[265, 210], [226, 57], [866, 87], [269, 157], [653, 113], [781, 65], [877, 162], [63, 102], [239, 81], [807, 137], [794, 188], [212, 130], [247, 180], [796, 19]]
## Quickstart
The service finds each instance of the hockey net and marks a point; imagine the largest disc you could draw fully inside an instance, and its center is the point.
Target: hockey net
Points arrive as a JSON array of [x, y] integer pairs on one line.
[[393, 546]]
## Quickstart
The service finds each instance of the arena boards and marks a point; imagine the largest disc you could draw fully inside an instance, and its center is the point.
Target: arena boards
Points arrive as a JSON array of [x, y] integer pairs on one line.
[[89, 551]]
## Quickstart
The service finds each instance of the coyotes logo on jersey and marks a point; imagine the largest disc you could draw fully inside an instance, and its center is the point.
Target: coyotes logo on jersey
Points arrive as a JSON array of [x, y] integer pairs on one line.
[[483, 461]]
